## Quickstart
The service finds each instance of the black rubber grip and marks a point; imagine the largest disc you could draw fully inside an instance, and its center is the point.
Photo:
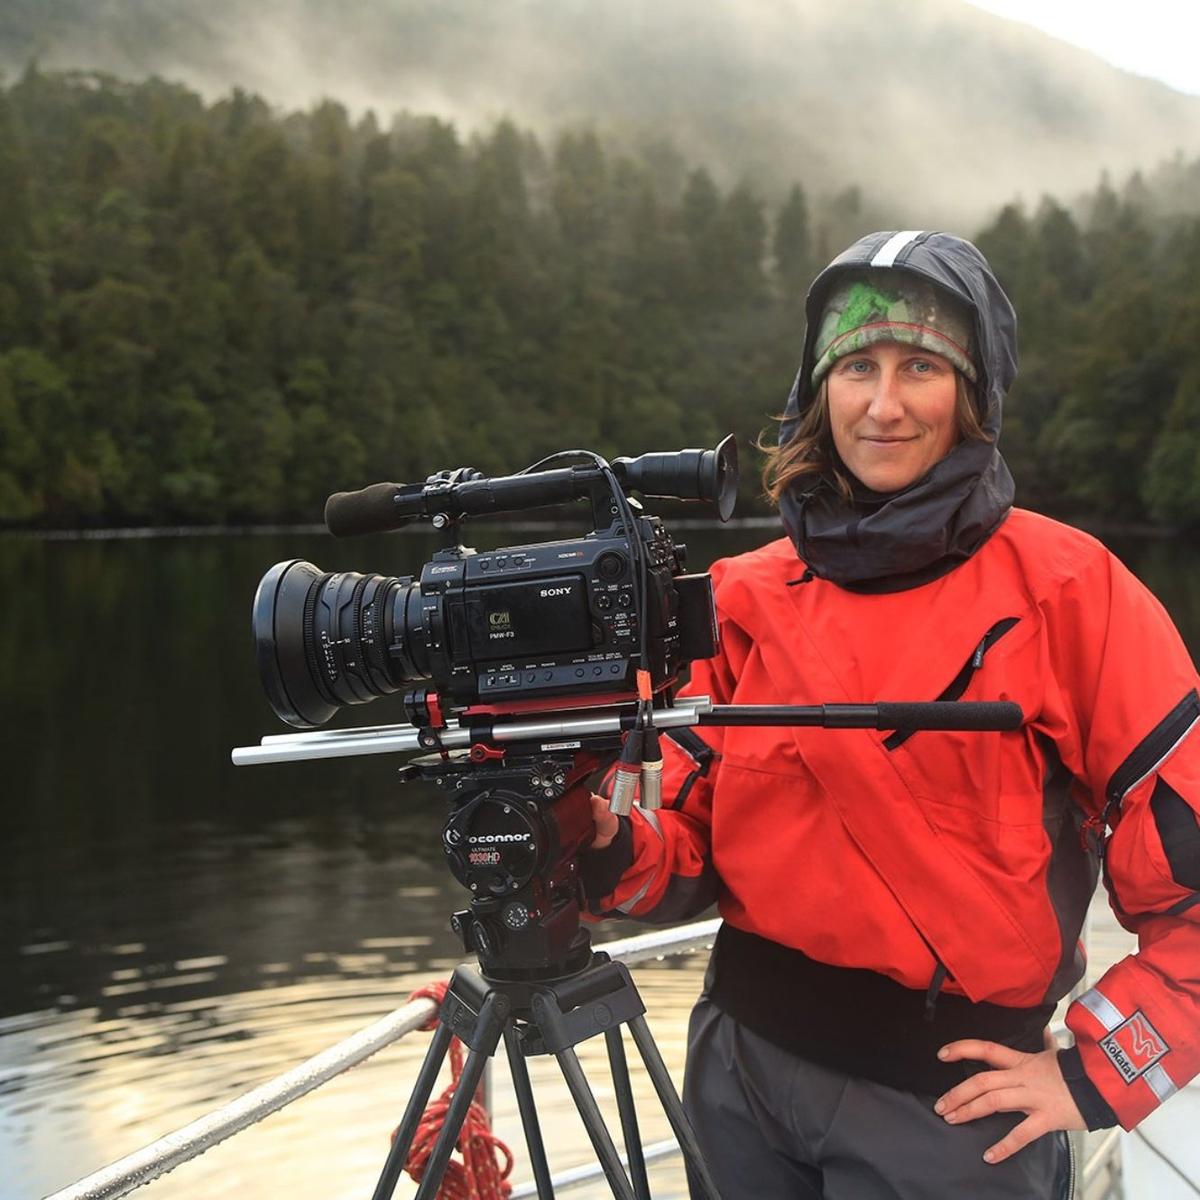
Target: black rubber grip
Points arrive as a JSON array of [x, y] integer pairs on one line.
[[507, 492], [936, 714], [948, 714], [371, 510]]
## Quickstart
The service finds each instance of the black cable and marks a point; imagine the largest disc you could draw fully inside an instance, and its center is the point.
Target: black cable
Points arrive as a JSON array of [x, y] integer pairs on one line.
[[1169, 1163]]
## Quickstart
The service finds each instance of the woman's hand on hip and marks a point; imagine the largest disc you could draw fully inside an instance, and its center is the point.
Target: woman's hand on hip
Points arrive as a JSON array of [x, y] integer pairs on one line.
[[1020, 1082]]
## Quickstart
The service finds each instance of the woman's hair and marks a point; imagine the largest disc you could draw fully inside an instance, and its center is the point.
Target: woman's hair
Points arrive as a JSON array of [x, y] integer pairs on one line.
[[810, 453]]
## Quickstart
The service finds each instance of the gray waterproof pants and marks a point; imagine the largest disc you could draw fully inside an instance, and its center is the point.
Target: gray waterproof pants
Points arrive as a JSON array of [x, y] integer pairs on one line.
[[775, 1127]]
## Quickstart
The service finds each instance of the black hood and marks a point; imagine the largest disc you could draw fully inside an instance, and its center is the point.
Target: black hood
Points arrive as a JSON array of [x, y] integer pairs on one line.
[[888, 542]]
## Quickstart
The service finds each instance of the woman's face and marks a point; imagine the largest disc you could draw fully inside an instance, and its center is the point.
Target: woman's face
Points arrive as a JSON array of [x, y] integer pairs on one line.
[[893, 413]]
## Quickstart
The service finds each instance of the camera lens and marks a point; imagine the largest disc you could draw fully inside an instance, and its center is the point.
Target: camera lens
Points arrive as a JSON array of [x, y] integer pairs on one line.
[[326, 639]]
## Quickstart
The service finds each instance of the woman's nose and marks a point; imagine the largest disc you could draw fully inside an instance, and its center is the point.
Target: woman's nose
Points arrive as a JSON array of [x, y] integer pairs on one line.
[[886, 403]]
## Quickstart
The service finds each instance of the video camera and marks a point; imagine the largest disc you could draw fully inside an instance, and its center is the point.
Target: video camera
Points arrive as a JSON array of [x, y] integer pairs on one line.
[[548, 625]]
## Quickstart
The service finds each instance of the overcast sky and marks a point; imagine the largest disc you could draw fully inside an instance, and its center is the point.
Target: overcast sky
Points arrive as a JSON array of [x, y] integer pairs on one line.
[[1159, 38]]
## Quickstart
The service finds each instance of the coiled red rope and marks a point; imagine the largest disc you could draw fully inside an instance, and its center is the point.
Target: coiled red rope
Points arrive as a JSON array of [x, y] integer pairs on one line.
[[486, 1161]]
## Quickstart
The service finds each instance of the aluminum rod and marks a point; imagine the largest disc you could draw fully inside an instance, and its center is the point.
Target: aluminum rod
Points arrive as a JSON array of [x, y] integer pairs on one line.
[[402, 739], [1101, 1158], [574, 1176]]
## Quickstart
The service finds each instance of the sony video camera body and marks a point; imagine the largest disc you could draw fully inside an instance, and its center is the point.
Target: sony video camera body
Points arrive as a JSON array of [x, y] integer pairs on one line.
[[537, 626]]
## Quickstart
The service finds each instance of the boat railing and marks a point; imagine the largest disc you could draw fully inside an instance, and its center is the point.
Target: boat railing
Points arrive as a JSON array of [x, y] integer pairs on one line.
[[190, 1141]]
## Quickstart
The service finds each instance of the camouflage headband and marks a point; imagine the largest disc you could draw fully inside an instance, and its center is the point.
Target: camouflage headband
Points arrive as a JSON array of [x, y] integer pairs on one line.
[[873, 306]]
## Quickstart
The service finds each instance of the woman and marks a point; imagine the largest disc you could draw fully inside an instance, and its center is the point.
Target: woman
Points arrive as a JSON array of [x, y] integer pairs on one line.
[[902, 912]]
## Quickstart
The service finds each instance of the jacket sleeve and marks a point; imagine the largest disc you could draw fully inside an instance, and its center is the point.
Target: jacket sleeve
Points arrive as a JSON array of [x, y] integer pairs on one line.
[[1130, 721], [659, 866]]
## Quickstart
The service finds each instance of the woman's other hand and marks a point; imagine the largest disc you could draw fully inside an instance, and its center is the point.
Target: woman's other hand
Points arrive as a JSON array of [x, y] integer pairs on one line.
[[606, 823], [1028, 1083]]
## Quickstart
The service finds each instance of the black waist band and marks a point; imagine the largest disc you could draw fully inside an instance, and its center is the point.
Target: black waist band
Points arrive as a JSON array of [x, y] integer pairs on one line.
[[855, 1021]]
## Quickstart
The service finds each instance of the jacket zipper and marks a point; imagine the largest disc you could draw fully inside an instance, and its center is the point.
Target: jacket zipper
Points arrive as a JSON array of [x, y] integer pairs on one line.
[[1147, 756], [1150, 752], [962, 680]]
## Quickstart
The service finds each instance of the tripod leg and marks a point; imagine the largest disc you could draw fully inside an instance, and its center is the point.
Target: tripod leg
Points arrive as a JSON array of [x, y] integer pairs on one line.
[[661, 1078], [529, 1117], [593, 1122], [402, 1142], [628, 1111], [464, 1095]]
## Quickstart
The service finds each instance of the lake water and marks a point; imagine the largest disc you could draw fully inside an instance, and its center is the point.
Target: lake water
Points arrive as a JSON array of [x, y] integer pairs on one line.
[[174, 930]]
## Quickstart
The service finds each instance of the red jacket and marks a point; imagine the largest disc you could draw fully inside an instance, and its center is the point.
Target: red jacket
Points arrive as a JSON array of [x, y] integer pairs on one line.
[[864, 849]]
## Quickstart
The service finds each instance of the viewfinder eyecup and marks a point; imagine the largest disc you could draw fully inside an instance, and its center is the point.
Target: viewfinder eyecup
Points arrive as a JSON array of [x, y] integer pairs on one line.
[[710, 475]]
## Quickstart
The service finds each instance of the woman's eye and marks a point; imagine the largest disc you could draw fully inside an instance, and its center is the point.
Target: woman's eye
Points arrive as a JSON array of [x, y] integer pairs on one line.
[[922, 366]]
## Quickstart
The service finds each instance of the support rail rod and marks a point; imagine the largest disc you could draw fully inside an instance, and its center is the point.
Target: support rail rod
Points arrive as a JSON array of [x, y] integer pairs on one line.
[[121, 1177], [1100, 1159]]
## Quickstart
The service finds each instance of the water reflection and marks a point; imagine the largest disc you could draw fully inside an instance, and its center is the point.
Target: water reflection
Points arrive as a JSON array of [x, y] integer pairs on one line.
[[173, 929]]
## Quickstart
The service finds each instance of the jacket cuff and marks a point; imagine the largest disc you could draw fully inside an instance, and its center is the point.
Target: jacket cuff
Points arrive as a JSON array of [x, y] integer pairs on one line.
[[600, 870], [1092, 1106]]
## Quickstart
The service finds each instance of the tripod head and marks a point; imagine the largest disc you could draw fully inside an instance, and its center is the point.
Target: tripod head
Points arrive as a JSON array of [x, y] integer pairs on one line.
[[517, 826]]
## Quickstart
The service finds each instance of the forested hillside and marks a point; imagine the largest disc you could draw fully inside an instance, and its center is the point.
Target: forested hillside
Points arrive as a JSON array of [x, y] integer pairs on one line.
[[215, 312], [868, 91]]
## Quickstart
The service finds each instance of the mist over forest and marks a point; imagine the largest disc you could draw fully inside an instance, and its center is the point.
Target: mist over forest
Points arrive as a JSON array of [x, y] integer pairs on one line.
[[892, 99], [219, 306]]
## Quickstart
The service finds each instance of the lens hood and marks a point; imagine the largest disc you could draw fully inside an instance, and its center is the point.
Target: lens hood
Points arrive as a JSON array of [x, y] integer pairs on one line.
[[279, 621]]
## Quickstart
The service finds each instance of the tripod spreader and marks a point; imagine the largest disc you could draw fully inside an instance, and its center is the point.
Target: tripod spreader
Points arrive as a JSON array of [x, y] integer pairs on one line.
[[538, 1018]]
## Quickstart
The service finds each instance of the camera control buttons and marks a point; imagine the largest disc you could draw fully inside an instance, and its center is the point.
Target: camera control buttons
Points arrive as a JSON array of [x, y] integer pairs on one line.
[[604, 600], [624, 600], [515, 915], [610, 566]]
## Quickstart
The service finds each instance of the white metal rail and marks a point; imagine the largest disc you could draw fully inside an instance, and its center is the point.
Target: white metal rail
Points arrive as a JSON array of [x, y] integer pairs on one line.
[[141, 1167], [123, 1176]]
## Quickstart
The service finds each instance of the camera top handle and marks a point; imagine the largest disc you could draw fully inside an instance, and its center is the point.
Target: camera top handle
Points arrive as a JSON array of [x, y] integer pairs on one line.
[[709, 475]]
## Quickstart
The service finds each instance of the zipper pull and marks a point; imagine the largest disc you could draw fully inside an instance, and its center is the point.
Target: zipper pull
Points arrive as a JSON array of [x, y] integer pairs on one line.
[[977, 657]]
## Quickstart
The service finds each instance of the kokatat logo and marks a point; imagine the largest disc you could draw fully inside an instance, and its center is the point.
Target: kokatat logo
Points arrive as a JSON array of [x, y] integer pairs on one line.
[[1134, 1047]]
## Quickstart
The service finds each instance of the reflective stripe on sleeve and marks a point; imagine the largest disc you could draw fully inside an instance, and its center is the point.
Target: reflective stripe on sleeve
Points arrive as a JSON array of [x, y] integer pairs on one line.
[[1160, 1082], [1103, 1009], [651, 819], [636, 898]]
